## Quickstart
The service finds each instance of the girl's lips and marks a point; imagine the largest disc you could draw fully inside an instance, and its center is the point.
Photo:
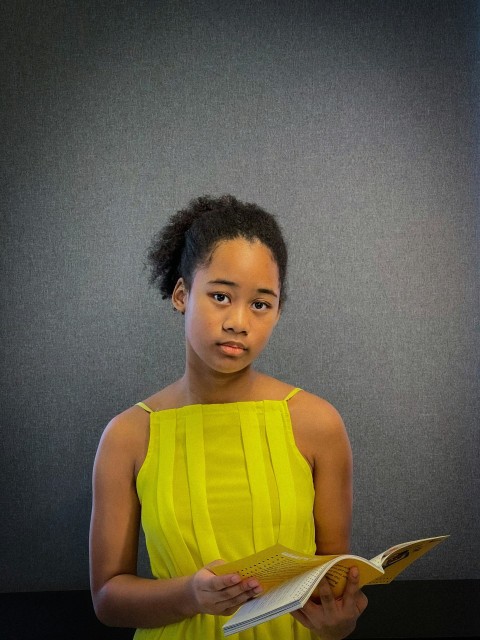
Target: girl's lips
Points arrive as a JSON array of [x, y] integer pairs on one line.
[[231, 349]]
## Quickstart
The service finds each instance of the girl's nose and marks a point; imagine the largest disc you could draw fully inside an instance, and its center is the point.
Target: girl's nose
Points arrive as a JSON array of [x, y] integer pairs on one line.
[[236, 321]]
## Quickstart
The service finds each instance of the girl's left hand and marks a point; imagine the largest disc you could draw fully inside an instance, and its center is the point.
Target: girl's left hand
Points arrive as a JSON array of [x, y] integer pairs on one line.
[[334, 619]]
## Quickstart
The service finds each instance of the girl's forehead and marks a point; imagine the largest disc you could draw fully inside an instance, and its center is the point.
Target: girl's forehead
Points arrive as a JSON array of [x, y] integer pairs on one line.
[[232, 251], [242, 259]]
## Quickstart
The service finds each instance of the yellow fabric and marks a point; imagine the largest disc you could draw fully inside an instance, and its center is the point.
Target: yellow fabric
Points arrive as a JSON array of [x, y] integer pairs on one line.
[[223, 481], [144, 406]]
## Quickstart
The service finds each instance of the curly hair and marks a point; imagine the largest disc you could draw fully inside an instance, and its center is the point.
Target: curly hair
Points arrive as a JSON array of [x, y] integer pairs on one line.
[[188, 240]]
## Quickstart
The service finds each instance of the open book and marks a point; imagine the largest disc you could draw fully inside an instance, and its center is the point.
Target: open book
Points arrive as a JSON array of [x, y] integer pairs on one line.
[[289, 578]]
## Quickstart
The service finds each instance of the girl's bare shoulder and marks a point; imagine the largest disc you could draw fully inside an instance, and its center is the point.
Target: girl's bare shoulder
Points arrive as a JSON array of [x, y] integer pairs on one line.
[[315, 418], [307, 404], [128, 433], [125, 438]]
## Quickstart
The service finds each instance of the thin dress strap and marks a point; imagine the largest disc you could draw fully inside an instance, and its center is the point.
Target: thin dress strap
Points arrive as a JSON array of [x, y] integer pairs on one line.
[[292, 393], [142, 405]]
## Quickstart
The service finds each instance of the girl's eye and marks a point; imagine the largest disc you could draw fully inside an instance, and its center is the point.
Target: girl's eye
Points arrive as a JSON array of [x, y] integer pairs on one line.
[[220, 297], [260, 306]]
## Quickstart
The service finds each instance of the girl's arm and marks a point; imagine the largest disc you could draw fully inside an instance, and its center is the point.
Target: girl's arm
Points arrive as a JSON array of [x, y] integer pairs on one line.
[[332, 478], [321, 437], [120, 597]]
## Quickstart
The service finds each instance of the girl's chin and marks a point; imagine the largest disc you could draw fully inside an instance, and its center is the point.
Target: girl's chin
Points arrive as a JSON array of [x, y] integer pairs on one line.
[[228, 365]]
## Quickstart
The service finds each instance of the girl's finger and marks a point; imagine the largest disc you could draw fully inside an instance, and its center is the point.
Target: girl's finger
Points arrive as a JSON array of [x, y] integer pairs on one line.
[[351, 588], [236, 588], [325, 594]]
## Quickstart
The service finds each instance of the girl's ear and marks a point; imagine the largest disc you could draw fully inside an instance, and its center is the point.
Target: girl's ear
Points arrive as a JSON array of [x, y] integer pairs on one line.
[[179, 295]]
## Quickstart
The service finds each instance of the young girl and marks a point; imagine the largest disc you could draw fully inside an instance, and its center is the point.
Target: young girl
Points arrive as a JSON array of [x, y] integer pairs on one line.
[[226, 460]]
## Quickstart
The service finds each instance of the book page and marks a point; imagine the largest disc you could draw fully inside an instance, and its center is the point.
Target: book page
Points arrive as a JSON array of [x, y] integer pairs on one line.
[[272, 566], [399, 557], [293, 593], [285, 598], [277, 564]]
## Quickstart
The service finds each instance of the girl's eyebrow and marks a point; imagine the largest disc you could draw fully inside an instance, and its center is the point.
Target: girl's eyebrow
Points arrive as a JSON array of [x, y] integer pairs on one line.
[[229, 283]]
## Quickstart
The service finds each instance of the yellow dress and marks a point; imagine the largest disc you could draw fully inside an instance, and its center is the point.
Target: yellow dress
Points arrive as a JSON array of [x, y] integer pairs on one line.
[[223, 481]]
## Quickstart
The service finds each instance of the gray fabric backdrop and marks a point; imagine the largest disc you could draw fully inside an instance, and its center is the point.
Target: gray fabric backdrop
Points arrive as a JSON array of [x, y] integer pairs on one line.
[[355, 122]]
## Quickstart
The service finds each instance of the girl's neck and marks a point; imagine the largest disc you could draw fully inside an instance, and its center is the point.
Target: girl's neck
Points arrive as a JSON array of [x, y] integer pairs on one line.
[[217, 388]]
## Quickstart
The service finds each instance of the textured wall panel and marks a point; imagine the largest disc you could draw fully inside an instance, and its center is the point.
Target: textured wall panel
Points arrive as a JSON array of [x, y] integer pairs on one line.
[[356, 122]]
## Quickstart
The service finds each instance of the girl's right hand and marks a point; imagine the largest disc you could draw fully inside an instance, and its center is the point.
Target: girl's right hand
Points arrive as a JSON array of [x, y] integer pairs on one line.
[[221, 595]]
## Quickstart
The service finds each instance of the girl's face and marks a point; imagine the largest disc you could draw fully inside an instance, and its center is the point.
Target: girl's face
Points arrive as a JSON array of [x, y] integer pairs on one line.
[[231, 307]]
